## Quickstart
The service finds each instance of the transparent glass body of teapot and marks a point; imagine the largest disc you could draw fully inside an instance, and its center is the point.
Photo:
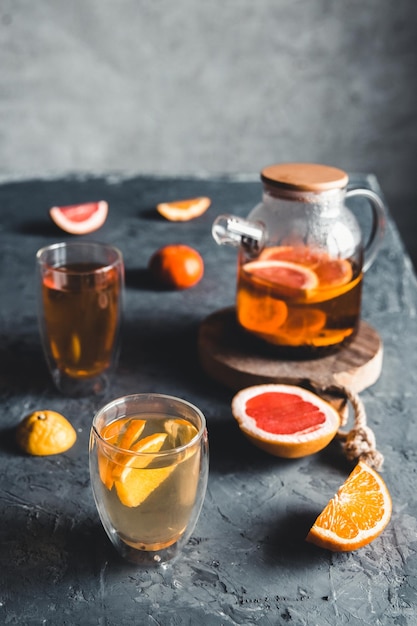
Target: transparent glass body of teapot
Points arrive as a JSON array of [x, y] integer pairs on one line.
[[302, 292]]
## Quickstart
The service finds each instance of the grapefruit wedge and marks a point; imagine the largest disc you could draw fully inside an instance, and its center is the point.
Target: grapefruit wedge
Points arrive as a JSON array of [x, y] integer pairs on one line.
[[285, 420], [80, 219]]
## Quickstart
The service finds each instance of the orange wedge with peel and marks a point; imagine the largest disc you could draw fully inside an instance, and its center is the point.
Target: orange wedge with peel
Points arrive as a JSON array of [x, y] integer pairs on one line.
[[356, 515], [122, 433], [285, 420], [136, 481], [184, 210], [131, 433], [111, 431]]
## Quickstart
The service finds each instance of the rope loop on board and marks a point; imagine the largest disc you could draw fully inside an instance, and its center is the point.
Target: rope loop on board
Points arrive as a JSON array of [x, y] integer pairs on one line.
[[358, 443]]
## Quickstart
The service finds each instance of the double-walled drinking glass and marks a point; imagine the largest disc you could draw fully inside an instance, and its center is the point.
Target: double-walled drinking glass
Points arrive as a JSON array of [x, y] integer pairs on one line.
[[149, 470], [80, 287]]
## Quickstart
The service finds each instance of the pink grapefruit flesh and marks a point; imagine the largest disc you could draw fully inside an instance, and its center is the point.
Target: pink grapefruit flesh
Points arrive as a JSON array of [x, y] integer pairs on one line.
[[289, 278], [80, 219]]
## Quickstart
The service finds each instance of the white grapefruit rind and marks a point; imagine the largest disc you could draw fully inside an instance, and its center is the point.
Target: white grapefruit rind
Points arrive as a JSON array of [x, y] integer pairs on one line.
[[311, 279], [325, 538], [80, 228], [287, 446]]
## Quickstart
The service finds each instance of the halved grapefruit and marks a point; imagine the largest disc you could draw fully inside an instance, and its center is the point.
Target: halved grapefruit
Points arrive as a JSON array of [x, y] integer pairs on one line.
[[288, 278], [184, 210], [80, 219], [285, 420]]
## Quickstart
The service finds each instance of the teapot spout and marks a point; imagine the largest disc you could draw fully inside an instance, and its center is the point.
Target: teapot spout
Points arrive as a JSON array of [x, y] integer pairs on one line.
[[236, 232]]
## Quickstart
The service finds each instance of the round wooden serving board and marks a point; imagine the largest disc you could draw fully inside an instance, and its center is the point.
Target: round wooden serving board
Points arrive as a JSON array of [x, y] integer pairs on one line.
[[228, 356]]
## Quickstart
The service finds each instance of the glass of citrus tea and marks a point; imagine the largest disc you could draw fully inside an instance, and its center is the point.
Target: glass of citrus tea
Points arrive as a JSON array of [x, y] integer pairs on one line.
[[80, 306], [149, 471]]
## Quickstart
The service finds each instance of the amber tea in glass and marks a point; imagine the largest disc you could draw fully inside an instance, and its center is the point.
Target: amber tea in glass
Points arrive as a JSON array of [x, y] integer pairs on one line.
[[148, 466], [80, 308]]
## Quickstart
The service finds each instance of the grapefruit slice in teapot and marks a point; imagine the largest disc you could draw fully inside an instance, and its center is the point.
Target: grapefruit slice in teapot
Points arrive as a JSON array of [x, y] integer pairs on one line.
[[80, 219], [289, 279], [285, 420]]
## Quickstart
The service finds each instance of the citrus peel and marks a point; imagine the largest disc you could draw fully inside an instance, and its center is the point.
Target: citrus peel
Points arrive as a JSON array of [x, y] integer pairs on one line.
[[136, 481], [122, 433], [356, 515], [45, 433], [184, 210]]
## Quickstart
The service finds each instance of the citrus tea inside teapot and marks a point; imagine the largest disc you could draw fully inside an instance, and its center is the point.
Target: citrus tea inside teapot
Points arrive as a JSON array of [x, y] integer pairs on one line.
[[301, 258]]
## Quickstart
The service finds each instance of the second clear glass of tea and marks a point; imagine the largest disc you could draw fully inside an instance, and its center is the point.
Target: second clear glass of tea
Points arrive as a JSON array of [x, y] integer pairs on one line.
[[80, 287]]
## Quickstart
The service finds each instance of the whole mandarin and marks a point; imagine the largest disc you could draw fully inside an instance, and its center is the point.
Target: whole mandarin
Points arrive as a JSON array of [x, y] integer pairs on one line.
[[45, 432], [176, 266]]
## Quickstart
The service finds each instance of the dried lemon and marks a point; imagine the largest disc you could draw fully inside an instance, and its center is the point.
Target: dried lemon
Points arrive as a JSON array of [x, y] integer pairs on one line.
[[45, 432]]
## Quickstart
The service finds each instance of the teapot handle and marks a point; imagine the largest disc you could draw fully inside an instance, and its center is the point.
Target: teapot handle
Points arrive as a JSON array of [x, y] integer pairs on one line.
[[379, 215]]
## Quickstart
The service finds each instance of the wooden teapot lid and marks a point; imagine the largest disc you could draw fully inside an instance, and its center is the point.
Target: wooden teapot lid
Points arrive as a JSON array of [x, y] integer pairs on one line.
[[304, 177]]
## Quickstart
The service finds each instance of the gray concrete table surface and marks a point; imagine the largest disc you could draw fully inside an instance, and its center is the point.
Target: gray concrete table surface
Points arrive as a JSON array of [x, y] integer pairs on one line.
[[247, 562]]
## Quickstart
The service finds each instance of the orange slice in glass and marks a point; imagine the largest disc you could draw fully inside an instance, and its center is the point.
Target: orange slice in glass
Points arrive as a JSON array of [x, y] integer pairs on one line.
[[131, 433], [111, 431], [136, 481], [121, 433]]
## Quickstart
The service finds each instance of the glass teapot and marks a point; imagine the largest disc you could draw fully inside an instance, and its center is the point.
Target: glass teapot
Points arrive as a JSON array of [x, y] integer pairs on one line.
[[301, 258]]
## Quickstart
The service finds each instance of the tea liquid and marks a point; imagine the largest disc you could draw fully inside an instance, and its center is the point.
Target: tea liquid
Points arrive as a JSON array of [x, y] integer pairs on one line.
[[81, 317], [163, 516], [296, 297]]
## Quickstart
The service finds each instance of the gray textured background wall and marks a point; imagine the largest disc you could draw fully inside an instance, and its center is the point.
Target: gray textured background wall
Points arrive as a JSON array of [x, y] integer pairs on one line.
[[156, 86]]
